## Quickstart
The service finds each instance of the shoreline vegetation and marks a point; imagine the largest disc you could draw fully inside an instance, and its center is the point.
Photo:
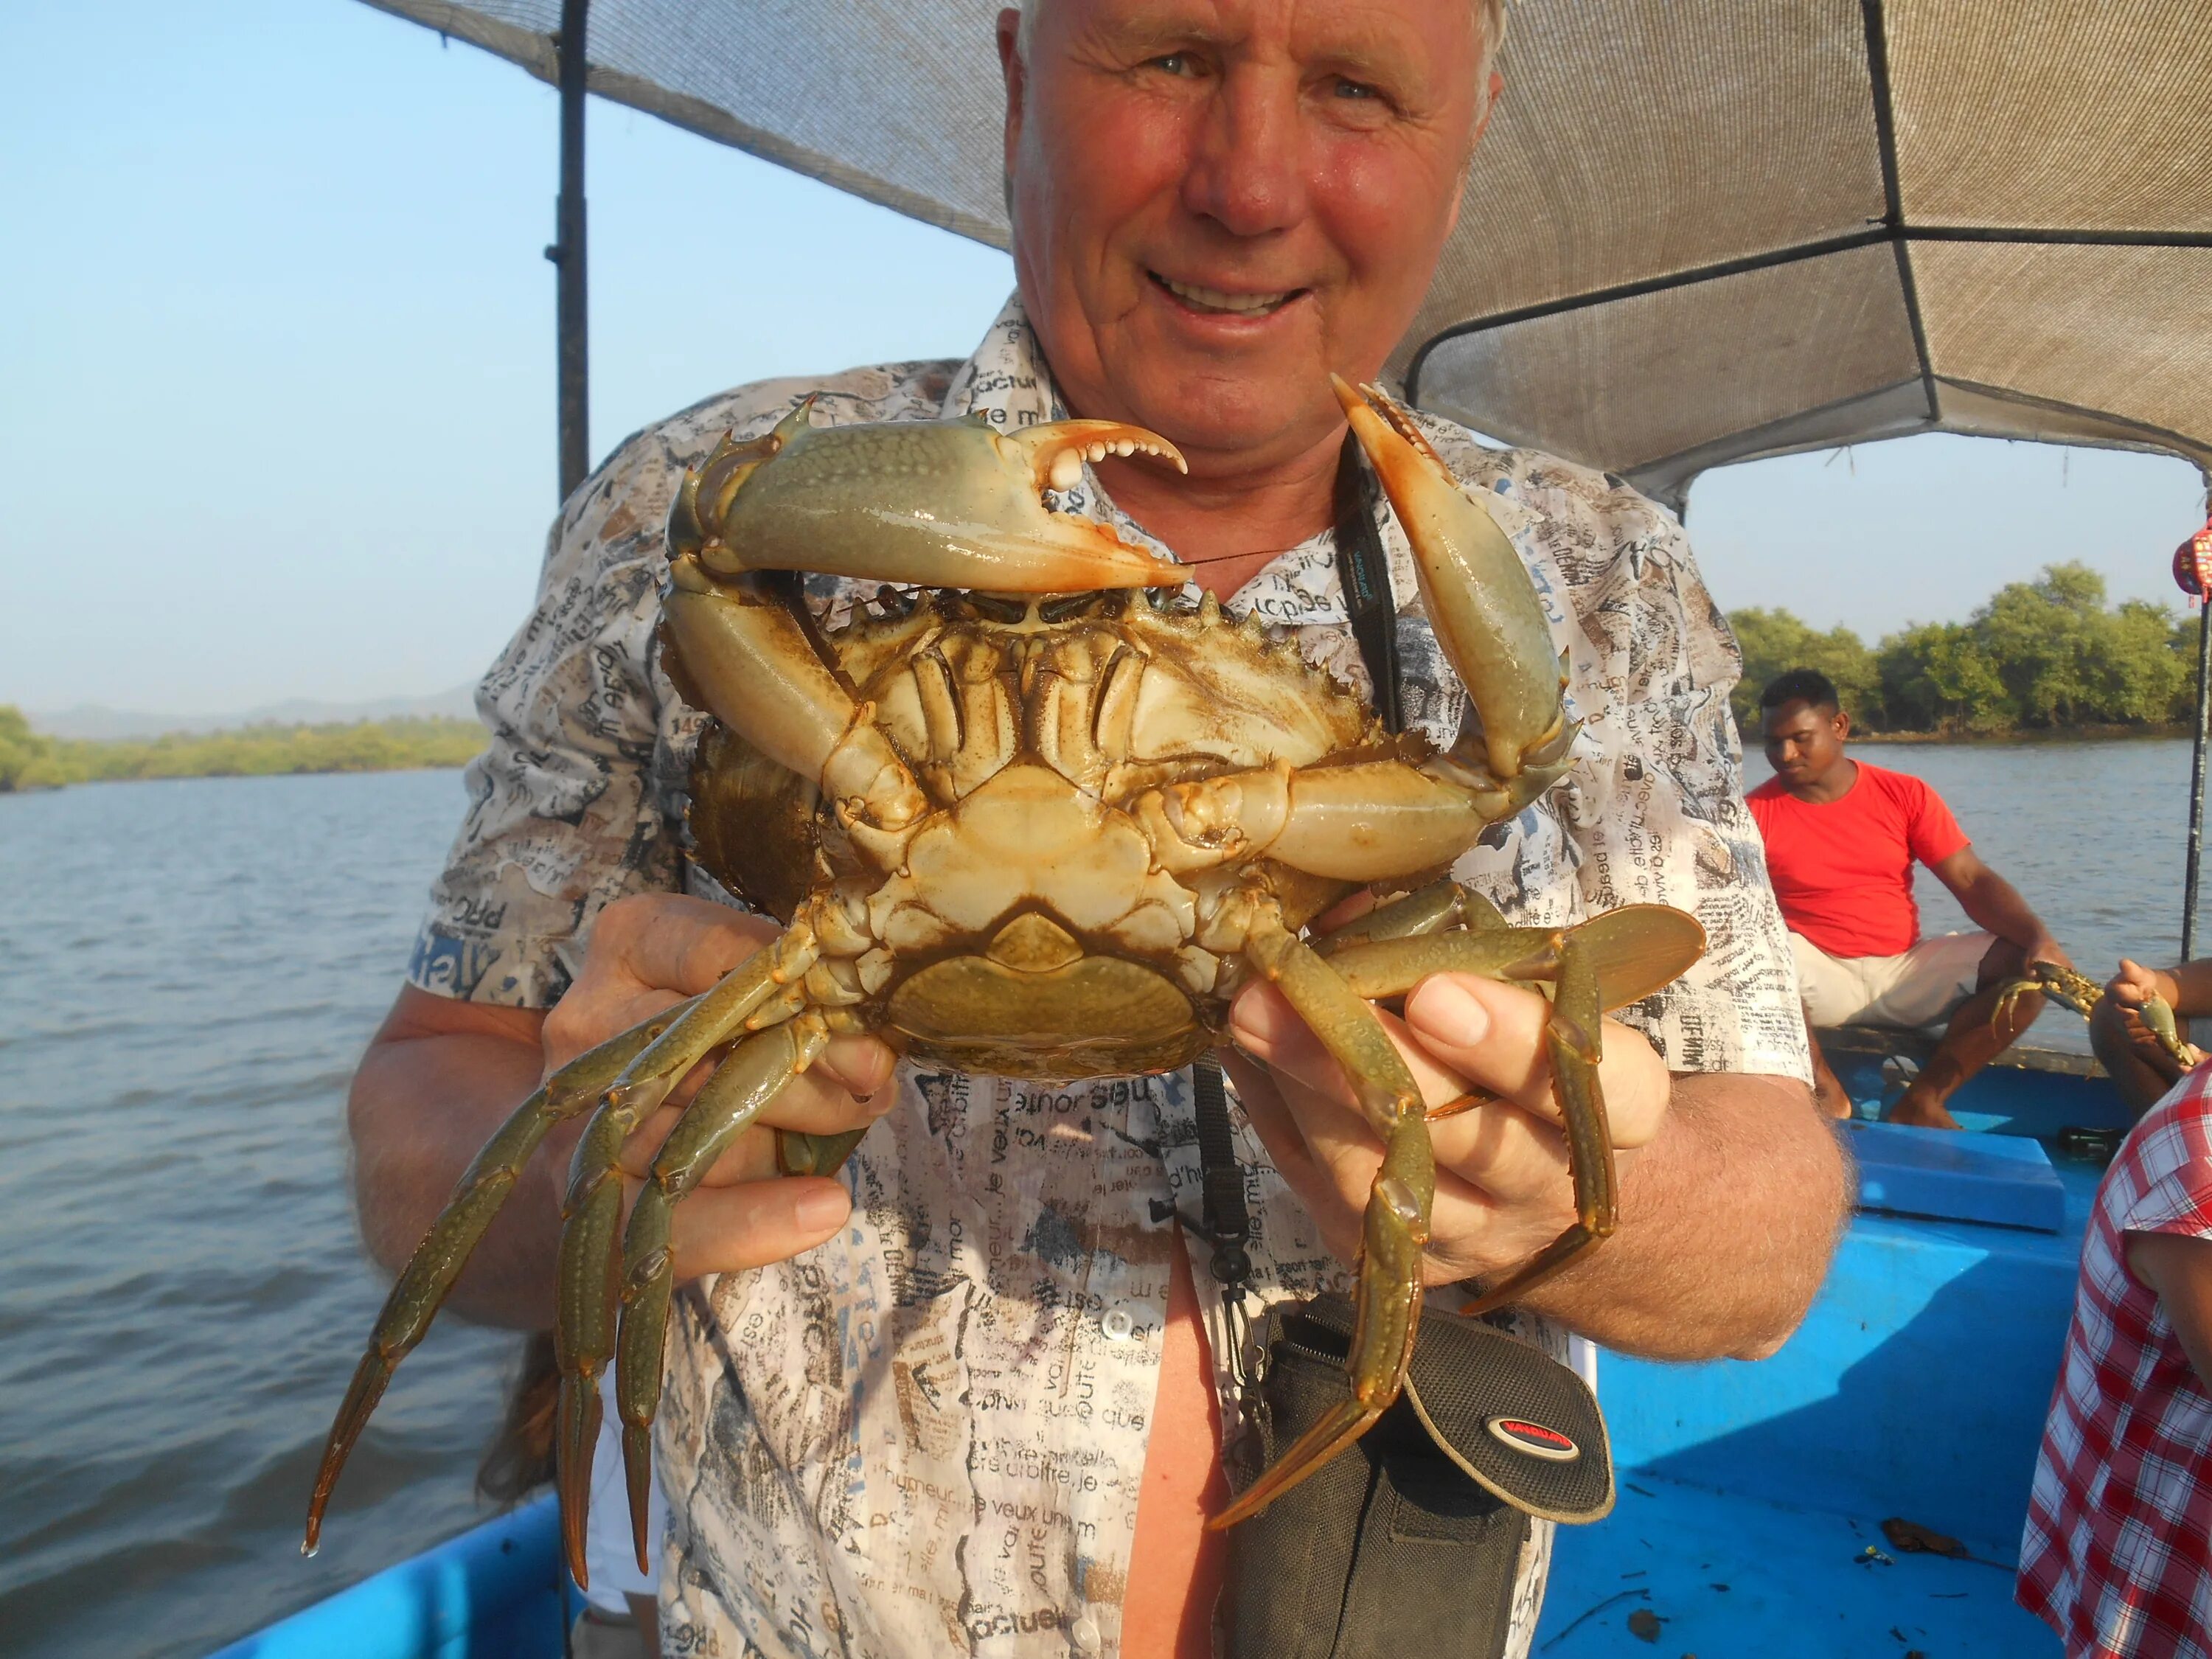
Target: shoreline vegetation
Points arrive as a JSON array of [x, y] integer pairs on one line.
[[2046, 658], [29, 761], [2043, 661]]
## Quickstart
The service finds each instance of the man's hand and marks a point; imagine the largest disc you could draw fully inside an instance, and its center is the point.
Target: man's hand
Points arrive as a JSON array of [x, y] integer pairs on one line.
[[652, 951], [1503, 1185], [2044, 948], [2135, 985], [2128, 990]]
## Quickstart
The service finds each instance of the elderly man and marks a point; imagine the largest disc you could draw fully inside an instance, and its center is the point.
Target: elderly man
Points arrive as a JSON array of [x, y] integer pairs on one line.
[[966, 1396]]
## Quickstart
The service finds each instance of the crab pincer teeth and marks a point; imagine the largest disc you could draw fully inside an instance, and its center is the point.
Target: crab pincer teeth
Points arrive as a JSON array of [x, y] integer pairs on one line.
[[1057, 450]]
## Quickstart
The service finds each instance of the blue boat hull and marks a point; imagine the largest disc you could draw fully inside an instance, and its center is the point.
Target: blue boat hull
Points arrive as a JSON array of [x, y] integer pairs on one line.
[[1752, 1495]]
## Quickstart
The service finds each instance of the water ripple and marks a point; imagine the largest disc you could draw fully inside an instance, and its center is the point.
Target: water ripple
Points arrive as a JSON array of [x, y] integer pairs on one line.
[[194, 968]]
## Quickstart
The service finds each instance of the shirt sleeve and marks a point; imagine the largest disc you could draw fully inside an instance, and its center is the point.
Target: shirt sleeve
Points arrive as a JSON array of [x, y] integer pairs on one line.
[[2171, 1151], [563, 818], [1933, 835], [1653, 811]]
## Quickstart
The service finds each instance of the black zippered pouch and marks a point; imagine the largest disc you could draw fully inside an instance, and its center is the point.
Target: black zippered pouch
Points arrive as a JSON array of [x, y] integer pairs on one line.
[[1408, 1541]]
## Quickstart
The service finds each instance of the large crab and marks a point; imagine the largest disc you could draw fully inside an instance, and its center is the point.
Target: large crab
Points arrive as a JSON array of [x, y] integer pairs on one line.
[[1039, 821]]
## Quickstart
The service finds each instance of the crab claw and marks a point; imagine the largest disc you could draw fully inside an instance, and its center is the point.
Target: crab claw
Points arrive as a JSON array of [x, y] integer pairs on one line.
[[1477, 591], [933, 503]]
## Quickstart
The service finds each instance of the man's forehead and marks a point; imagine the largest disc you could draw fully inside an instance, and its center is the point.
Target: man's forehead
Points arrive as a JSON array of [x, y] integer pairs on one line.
[[1797, 712], [1374, 27]]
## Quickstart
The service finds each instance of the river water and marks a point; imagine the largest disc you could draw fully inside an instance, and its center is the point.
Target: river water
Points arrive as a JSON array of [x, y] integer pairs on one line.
[[191, 970]]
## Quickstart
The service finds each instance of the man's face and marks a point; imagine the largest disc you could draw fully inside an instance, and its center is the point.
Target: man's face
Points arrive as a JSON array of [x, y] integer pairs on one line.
[[1216, 203], [1803, 742]]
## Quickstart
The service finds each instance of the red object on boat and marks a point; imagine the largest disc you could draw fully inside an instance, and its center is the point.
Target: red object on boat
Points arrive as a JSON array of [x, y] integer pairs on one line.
[[2192, 563]]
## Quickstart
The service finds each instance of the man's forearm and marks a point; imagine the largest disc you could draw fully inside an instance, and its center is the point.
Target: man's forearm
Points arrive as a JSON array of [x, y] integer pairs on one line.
[[1993, 904], [1728, 1220], [421, 1108]]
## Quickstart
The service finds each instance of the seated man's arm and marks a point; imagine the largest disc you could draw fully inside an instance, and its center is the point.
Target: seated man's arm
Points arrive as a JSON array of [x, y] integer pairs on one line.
[[1993, 904]]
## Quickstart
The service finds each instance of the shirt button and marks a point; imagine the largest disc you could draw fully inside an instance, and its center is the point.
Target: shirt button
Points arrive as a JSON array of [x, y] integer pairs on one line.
[[1115, 1327], [1085, 1632]]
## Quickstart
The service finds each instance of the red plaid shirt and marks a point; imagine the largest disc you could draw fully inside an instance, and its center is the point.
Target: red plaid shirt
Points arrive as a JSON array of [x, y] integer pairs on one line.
[[2118, 1555]]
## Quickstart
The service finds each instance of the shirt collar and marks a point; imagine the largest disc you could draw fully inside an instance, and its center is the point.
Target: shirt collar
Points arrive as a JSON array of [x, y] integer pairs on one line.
[[1007, 379]]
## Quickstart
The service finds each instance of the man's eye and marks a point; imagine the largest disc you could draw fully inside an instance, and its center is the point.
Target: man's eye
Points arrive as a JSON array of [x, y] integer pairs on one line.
[[1175, 63], [1355, 90]]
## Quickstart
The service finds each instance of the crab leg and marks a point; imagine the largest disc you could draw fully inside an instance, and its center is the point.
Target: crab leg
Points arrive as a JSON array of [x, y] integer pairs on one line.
[[938, 503], [741, 1086], [588, 1287], [1368, 821], [1395, 1229], [1572, 1037], [741, 655], [1481, 603], [1608, 962], [424, 1284], [1633, 951], [1425, 910]]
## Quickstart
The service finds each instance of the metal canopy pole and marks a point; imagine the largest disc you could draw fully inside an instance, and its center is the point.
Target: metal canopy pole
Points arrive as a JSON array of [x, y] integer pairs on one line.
[[572, 315], [2192, 567], [2196, 779]]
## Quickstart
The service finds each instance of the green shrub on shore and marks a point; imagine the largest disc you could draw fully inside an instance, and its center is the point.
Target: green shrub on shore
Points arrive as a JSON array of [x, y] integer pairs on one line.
[[2046, 655], [28, 761]]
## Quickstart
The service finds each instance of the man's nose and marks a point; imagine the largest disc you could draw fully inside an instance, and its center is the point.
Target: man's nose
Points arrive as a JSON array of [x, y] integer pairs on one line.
[[1246, 169]]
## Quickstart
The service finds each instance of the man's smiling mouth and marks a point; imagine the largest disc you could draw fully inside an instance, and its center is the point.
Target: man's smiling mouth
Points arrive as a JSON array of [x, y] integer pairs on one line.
[[1203, 299]]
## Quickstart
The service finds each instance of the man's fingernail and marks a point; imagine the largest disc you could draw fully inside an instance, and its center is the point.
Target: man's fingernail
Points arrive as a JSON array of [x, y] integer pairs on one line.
[[1448, 1013], [821, 1206]]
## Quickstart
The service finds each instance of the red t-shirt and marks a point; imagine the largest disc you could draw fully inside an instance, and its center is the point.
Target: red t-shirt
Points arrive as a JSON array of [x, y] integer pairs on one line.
[[1842, 869]]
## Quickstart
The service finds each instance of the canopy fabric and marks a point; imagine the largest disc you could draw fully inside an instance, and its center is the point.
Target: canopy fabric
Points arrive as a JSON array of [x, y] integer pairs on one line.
[[1697, 231]]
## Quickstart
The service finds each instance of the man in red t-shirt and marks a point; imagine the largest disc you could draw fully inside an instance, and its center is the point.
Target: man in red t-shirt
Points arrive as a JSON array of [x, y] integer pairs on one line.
[[1841, 838]]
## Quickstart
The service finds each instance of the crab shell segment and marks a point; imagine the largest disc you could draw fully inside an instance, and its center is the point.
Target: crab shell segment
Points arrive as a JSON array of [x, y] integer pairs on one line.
[[952, 504]]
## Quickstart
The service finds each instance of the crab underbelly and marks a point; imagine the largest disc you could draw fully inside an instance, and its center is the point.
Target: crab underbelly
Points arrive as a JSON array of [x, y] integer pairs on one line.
[[1054, 938]]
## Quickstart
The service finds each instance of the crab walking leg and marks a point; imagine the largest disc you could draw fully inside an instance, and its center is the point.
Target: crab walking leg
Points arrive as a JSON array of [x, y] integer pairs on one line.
[[588, 1286], [1571, 1036], [1395, 1229], [744, 1083], [1425, 910], [1632, 950], [424, 1284]]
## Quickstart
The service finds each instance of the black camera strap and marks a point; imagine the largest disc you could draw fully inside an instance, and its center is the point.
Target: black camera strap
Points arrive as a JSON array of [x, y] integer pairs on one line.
[[1364, 571]]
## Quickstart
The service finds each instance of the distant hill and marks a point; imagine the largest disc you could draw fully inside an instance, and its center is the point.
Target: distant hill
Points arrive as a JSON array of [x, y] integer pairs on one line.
[[99, 724]]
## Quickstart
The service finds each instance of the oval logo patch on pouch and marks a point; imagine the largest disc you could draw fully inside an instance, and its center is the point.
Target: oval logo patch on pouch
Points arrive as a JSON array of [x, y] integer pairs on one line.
[[1534, 1439]]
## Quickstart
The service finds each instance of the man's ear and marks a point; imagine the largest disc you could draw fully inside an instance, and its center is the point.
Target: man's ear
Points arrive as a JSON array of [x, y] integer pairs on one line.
[[1481, 123], [1843, 726]]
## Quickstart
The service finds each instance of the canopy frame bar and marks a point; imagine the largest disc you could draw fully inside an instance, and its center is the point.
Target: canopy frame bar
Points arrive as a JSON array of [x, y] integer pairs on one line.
[[571, 263]]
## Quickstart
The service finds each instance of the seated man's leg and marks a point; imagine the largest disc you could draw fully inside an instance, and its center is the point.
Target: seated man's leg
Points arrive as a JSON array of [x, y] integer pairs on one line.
[[2143, 1071], [1972, 1037], [1831, 995]]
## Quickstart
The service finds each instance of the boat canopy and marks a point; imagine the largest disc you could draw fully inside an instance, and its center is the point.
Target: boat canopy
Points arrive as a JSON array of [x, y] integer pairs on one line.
[[1697, 231]]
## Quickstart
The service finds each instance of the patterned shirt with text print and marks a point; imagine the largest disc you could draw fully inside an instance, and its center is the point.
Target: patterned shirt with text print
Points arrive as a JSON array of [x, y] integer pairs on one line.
[[927, 1435]]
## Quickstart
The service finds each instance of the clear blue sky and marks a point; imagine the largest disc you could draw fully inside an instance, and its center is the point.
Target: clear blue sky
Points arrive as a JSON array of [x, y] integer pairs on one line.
[[276, 364]]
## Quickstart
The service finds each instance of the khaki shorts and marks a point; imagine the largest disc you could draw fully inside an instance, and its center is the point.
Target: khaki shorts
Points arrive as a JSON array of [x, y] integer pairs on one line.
[[1919, 987]]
